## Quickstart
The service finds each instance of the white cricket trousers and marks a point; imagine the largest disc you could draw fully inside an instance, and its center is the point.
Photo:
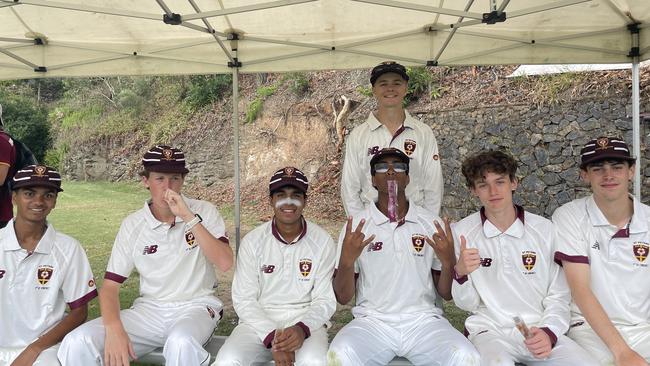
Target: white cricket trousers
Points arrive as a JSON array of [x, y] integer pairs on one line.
[[243, 348], [637, 337], [46, 358], [181, 328], [504, 347], [424, 339]]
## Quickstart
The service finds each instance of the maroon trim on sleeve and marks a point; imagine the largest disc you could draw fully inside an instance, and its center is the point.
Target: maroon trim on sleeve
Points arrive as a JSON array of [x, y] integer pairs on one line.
[[435, 272], [83, 300], [304, 329], [559, 257], [224, 239], [114, 277], [268, 340], [459, 279], [356, 275], [550, 335]]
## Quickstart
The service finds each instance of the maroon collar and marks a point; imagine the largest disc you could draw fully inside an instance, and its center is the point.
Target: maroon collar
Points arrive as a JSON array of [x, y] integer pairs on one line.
[[519, 212], [276, 233]]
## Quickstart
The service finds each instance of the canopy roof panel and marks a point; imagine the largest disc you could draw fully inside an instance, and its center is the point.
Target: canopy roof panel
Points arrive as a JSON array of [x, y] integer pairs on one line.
[[42, 38]]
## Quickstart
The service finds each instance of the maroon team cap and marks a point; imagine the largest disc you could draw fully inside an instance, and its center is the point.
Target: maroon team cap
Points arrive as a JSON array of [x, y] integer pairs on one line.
[[164, 159], [386, 67], [37, 176], [288, 176], [604, 148]]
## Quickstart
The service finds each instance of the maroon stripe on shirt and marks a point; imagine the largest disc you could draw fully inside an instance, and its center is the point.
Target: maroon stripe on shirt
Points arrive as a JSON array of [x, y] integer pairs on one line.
[[224, 239], [304, 328], [83, 300], [551, 335], [559, 257], [397, 133], [114, 277]]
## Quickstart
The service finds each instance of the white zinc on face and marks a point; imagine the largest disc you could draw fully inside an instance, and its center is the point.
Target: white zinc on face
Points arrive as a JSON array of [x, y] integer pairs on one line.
[[287, 201]]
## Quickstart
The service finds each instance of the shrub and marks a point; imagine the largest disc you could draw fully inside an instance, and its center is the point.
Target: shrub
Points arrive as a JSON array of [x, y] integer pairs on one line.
[[298, 83], [205, 89], [27, 122]]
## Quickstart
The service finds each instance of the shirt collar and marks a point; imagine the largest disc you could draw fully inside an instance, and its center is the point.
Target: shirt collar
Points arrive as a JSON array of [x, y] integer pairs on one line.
[[152, 221], [515, 230], [638, 222], [10, 241], [379, 218], [276, 232], [375, 124]]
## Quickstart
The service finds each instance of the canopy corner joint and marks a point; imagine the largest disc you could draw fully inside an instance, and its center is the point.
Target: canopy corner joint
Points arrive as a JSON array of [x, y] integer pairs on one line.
[[494, 17], [40, 69], [172, 19]]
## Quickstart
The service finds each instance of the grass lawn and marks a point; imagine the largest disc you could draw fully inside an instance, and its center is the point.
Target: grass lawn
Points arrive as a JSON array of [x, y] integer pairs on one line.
[[92, 213]]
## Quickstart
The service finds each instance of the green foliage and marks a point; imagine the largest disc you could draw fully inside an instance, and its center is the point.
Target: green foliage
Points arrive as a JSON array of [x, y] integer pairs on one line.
[[255, 107], [419, 81], [364, 90], [70, 117], [54, 157], [27, 122], [548, 89], [298, 83], [205, 89]]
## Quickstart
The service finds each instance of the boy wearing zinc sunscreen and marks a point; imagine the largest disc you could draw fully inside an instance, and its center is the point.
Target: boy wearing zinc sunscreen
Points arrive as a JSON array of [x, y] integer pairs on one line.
[[282, 288]]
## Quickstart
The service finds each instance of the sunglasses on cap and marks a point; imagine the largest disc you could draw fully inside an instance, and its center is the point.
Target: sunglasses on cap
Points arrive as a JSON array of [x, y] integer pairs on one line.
[[397, 167]]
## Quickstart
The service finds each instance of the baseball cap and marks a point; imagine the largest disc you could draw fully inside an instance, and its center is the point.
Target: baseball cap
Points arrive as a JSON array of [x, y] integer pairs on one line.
[[386, 67], [164, 159], [37, 176], [388, 151], [604, 148], [288, 176]]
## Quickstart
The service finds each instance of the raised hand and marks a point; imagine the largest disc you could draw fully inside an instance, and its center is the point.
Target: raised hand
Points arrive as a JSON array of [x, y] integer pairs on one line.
[[442, 243], [469, 259], [177, 205], [354, 242]]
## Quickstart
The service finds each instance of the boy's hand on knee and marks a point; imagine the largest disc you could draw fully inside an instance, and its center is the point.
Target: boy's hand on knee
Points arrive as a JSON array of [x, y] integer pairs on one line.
[[290, 340], [539, 344], [283, 358], [117, 347]]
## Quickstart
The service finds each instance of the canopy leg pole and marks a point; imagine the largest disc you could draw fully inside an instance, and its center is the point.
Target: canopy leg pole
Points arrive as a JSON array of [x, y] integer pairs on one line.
[[636, 126], [235, 126]]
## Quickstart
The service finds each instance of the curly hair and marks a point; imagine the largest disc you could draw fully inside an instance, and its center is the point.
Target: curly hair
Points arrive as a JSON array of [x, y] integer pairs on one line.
[[476, 166]]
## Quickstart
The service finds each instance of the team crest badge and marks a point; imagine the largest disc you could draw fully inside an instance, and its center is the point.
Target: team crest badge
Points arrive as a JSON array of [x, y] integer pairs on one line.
[[288, 171], [418, 242], [40, 170], [305, 267], [409, 146], [44, 274], [602, 143], [528, 259], [168, 154], [189, 238], [641, 251]]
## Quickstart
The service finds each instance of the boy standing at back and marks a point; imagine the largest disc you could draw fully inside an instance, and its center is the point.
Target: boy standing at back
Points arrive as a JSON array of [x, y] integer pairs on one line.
[[505, 270], [173, 242], [603, 243]]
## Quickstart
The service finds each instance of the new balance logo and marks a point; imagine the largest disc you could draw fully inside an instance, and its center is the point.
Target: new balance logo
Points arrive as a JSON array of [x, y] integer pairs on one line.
[[375, 247], [372, 151], [150, 249], [2, 273], [486, 262], [596, 246], [268, 268]]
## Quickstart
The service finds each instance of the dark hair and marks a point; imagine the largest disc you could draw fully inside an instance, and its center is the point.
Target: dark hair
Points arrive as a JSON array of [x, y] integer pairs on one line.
[[586, 167], [476, 166], [145, 173]]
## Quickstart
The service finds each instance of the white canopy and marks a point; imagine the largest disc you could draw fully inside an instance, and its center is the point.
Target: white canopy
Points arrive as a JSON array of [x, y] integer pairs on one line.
[[43, 38]]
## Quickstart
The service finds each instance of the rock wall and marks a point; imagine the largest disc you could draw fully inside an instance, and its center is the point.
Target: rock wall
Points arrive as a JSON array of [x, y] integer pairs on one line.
[[545, 140]]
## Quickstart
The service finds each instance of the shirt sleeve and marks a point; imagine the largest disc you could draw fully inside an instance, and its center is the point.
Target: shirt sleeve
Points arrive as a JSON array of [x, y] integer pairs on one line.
[[433, 184], [213, 222], [79, 283], [571, 244], [462, 288], [6, 151], [121, 262], [557, 313], [245, 292], [352, 176], [323, 303]]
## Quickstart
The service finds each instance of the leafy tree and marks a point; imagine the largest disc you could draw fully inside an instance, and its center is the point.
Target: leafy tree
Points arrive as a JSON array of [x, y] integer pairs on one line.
[[27, 122]]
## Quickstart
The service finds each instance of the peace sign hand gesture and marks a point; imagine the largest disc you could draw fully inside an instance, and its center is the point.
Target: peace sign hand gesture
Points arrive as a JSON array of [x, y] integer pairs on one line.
[[442, 243], [354, 242]]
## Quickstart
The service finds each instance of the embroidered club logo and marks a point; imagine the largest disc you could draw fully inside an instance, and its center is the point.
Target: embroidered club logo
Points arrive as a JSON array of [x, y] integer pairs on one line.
[[529, 258], [91, 283], [40, 170], [602, 143], [288, 171], [305, 267], [168, 154], [189, 238], [44, 274], [409, 146], [641, 251], [418, 242]]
